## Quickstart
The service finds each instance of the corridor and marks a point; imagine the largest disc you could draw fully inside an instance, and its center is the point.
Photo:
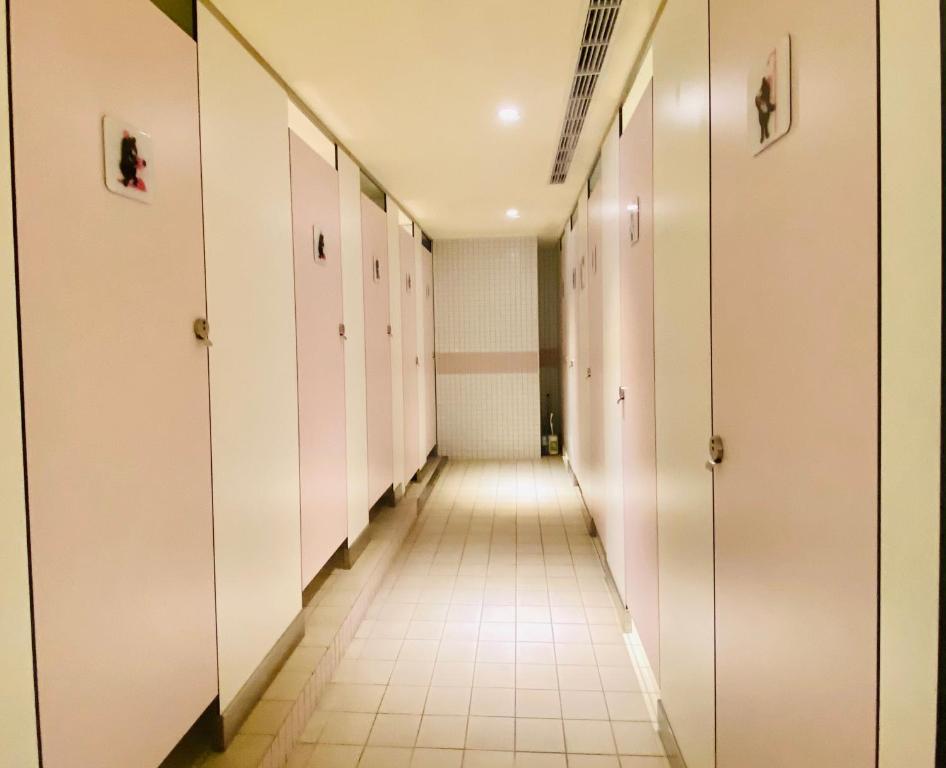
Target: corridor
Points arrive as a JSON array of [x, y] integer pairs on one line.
[[495, 640], [484, 384]]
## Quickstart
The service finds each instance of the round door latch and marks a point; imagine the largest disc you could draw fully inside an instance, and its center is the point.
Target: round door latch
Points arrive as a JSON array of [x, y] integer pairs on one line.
[[716, 452], [202, 331]]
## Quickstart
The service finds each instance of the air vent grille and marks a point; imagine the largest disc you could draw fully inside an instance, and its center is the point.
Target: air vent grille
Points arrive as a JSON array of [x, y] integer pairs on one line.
[[599, 25]]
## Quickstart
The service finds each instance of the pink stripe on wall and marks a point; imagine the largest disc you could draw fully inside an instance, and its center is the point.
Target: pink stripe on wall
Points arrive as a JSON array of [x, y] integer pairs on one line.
[[487, 362]]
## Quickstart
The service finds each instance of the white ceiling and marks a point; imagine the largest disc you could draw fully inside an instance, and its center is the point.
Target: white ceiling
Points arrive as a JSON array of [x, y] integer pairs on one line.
[[412, 88]]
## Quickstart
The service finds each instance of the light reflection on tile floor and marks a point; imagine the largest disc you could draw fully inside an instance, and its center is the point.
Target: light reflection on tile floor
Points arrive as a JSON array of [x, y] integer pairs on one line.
[[495, 642]]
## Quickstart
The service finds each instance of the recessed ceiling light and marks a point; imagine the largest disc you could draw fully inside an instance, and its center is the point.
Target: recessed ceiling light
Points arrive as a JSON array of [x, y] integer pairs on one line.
[[512, 213], [509, 115]]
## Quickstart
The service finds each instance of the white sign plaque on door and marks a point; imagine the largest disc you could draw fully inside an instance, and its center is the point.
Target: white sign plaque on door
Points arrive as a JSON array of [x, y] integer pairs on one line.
[[129, 169], [769, 97]]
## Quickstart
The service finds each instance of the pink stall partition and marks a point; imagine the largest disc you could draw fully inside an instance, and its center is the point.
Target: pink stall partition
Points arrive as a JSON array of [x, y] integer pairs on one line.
[[795, 382], [637, 373], [374, 244], [430, 369], [115, 381], [316, 235], [410, 285]]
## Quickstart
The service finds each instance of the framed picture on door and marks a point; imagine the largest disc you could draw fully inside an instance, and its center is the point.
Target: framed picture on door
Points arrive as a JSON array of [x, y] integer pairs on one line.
[[769, 97], [129, 160]]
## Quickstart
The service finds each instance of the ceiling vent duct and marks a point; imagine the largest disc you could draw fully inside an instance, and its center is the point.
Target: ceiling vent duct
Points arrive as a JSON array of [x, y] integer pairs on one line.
[[599, 24]]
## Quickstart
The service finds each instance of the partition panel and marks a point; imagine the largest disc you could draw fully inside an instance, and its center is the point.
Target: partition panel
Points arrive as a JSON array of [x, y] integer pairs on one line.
[[374, 238], [420, 333], [320, 356], [410, 368], [430, 397], [18, 732], [611, 470], [582, 388], [353, 293], [253, 378], [400, 476], [911, 380], [795, 385], [593, 482], [115, 382], [570, 344], [682, 378], [637, 374]]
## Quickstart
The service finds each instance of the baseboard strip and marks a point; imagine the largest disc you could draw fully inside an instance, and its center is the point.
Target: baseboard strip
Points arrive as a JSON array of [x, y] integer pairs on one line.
[[232, 718], [674, 756]]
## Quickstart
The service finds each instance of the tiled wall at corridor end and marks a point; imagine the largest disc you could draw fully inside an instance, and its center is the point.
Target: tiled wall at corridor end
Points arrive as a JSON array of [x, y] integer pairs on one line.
[[487, 342]]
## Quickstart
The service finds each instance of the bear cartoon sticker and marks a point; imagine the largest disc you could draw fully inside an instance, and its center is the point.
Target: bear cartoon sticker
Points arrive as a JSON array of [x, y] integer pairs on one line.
[[128, 160], [769, 97]]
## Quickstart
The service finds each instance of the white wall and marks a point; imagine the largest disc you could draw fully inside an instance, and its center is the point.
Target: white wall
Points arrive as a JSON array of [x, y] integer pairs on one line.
[[487, 339], [254, 407], [17, 700], [612, 479], [911, 190], [397, 360], [353, 297], [682, 370]]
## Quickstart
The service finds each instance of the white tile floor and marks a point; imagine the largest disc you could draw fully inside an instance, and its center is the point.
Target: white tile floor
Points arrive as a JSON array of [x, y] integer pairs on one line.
[[494, 642]]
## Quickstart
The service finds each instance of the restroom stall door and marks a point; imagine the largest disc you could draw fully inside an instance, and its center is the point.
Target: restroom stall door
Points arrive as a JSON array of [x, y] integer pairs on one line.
[[409, 355], [316, 236], [794, 302], [374, 239], [594, 480], [115, 383], [427, 259], [639, 445]]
